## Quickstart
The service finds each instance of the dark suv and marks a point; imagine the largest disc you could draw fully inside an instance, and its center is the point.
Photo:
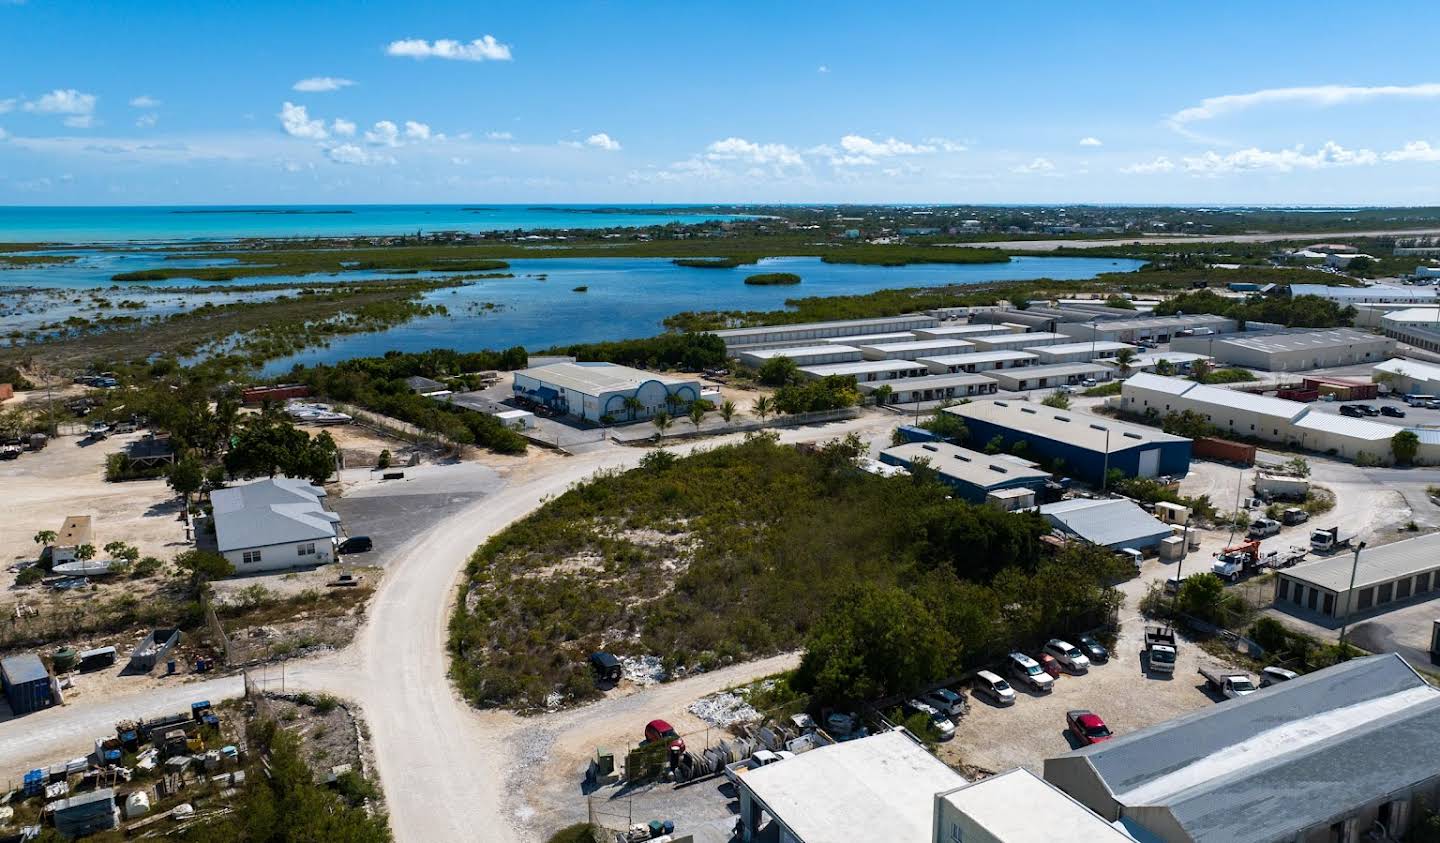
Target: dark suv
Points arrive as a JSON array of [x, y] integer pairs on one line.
[[356, 544]]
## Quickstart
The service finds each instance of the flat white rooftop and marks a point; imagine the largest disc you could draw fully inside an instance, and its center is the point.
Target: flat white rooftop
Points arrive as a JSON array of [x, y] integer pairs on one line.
[[1097, 347], [962, 331], [1410, 368], [915, 346], [862, 367], [1301, 340], [595, 378], [929, 382], [877, 788], [871, 339], [978, 357], [1021, 807], [798, 351], [1020, 340]]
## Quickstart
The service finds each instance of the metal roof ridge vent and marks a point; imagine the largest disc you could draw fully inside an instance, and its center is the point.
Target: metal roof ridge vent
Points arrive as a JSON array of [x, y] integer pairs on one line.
[[998, 469], [931, 448], [1133, 435], [1027, 410], [1097, 427], [1001, 404], [961, 457], [1059, 417]]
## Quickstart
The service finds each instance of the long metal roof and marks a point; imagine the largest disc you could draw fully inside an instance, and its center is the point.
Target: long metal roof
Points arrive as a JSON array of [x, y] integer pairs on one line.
[[594, 378], [1284, 341], [1292, 756], [1373, 292], [965, 465], [862, 367], [1377, 564], [1081, 430], [979, 357], [1410, 368], [939, 345], [1031, 337], [928, 382], [1096, 346], [1108, 523], [1347, 426], [1049, 370], [1201, 393]]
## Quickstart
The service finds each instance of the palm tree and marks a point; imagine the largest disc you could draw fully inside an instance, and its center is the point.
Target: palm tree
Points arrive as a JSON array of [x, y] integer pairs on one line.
[[697, 414], [672, 401], [662, 423], [727, 411], [85, 552], [1124, 360], [632, 405], [1164, 367], [46, 537], [763, 406]]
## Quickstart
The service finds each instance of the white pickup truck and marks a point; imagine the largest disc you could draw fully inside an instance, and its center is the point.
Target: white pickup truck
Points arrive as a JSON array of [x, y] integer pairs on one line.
[[1229, 685], [763, 758]]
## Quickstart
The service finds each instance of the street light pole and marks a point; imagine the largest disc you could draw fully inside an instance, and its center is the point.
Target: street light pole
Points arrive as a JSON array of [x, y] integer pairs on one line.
[[1105, 474], [1350, 595]]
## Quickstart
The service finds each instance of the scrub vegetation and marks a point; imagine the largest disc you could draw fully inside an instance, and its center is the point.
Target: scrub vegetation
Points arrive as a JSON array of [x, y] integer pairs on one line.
[[1296, 311], [772, 279], [741, 551]]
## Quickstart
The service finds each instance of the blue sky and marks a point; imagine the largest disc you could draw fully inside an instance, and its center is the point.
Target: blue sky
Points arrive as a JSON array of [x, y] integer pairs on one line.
[[261, 102]]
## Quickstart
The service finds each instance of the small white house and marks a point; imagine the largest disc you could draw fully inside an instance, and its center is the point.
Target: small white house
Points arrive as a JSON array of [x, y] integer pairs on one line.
[[274, 524]]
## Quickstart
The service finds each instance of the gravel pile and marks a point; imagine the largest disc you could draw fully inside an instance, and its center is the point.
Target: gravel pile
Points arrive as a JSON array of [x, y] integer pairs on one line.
[[723, 709], [644, 670]]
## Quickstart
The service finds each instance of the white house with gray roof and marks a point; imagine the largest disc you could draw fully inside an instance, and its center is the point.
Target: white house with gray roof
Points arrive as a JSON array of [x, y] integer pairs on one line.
[[274, 524], [1331, 757]]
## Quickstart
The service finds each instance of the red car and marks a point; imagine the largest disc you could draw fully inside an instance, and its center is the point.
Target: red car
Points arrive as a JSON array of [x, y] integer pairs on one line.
[[659, 730], [1050, 666], [1087, 726]]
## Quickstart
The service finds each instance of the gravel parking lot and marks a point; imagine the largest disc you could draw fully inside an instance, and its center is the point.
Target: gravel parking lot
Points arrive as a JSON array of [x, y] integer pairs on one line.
[[996, 739]]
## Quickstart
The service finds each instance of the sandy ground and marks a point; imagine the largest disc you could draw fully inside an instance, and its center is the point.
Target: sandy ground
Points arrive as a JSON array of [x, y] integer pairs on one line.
[[996, 739], [42, 488]]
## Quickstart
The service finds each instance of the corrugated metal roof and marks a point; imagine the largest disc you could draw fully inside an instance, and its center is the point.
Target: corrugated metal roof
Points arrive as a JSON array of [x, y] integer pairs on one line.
[[929, 382], [1377, 564], [1108, 523], [1082, 347], [913, 345], [1030, 338], [1374, 292], [1268, 765], [1347, 426], [1426, 435], [1081, 430], [268, 512], [594, 378], [1050, 370], [862, 367], [1261, 404], [1410, 368], [1159, 383], [965, 465], [979, 357], [23, 668], [758, 353], [1280, 342]]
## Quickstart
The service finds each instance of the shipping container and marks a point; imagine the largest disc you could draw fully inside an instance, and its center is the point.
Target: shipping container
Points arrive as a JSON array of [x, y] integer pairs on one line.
[[26, 683], [1224, 450]]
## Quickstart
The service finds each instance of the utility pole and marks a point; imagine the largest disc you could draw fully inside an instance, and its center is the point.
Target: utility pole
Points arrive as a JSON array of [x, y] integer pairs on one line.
[[1105, 474], [1239, 485], [1350, 595]]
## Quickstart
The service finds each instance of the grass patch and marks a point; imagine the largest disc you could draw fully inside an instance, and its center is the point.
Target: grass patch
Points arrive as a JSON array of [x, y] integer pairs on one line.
[[1104, 390]]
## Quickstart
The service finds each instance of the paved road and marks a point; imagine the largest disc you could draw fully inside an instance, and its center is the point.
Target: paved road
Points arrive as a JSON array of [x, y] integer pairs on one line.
[[1314, 237]]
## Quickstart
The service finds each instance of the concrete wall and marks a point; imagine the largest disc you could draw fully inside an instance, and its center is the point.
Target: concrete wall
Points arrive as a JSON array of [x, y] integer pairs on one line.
[[1074, 775], [279, 557]]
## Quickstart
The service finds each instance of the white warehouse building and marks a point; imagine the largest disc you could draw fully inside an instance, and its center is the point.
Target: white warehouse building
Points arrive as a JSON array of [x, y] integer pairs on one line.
[[1148, 329], [1047, 377], [803, 355], [599, 391], [933, 388], [1372, 294], [980, 361], [963, 332], [1409, 376], [915, 349], [1015, 342], [810, 332], [1080, 352], [867, 371], [1291, 351], [1244, 414]]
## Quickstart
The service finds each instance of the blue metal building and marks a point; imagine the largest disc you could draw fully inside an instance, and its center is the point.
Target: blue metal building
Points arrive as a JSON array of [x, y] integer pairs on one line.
[[971, 474], [26, 683], [1089, 445]]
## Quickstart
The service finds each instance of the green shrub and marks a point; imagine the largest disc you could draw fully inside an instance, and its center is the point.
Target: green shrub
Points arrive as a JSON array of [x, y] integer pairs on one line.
[[30, 576]]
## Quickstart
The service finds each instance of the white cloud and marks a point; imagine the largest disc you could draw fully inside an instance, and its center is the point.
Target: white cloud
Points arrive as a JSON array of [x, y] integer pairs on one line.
[[7, 105], [859, 145], [79, 107], [499, 136], [731, 149], [481, 49], [146, 121], [1159, 165], [824, 68], [349, 153], [384, 133], [1038, 165], [1414, 151], [342, 127], [600, 140], [417, 131], [1090, 141], [144, 101], [321, 84], [1280, 161], [947, 145], [4, 134], [1322, 96], [297, 123]]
